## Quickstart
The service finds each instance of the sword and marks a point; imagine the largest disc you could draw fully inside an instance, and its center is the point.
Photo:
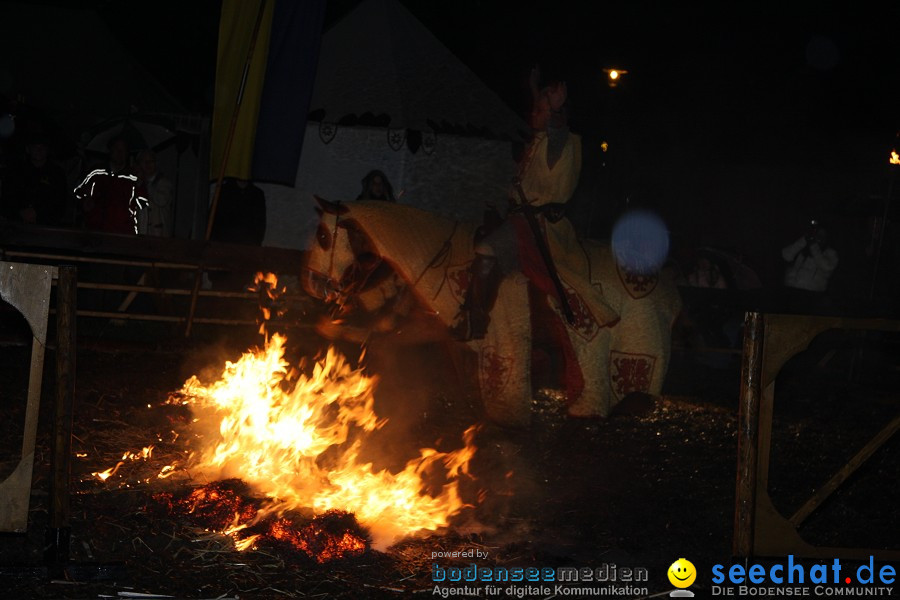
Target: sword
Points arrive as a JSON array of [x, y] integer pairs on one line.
[[541, 243]]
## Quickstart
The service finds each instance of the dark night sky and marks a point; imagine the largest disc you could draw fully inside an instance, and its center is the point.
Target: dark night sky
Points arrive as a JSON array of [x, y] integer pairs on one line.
[[768, 84], [729, 110], [749, 68]]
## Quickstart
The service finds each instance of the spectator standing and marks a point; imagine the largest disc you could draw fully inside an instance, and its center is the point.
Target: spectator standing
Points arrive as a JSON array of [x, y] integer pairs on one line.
[[706, 274], [109, 197], [36, 192], [158, 216], [240, 219], [811, 263], [375, 186], [241, 214]]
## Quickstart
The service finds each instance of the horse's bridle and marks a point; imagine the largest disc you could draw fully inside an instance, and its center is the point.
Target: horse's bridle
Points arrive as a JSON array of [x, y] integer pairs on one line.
[[341, 293], [333, 243], [320, 282], [338, 285]]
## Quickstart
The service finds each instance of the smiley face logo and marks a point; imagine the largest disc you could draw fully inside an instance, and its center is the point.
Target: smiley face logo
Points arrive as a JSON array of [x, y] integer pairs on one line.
[[682, 573]]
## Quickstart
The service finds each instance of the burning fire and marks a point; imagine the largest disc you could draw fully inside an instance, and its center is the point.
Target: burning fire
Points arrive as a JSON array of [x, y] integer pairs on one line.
[[275, 425], [295, 436], [895, 158]]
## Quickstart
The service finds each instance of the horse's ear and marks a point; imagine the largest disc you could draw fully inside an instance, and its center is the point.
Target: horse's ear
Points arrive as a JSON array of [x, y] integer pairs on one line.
[[332, 208]]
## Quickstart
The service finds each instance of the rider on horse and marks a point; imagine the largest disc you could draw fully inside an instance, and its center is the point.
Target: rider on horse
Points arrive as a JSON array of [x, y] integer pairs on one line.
[[547, 175]]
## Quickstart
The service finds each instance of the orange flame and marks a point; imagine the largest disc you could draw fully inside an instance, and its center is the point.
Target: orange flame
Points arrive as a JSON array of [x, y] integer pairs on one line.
[[895, 158], [143, 454], [104, 475], [273, 428], [266, 284]]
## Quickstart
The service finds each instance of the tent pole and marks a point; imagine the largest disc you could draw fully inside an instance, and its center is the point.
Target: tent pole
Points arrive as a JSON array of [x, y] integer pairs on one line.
[[225, 155]]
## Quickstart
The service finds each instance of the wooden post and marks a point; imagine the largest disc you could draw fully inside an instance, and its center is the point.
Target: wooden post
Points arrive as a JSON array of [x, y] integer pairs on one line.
[[57, 547], [748, 435]]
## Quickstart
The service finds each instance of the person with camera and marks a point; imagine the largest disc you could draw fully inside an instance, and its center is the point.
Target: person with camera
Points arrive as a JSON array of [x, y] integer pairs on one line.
[[811, 261]]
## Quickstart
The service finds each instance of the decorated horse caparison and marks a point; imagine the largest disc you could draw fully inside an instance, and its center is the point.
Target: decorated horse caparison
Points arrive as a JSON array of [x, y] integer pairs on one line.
[[616, 341]]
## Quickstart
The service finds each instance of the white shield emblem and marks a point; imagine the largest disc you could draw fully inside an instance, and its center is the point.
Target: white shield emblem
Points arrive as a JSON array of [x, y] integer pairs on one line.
[[396, 138], [428, 141], [327, 131]]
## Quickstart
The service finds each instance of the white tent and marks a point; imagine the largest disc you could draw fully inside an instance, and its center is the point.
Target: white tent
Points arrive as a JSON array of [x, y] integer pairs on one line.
[[389, 95]]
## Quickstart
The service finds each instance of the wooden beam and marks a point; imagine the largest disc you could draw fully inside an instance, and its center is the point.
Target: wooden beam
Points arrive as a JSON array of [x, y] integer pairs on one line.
[[748, 436], [57, 548], [27, 288], [844, 472], [149, 249]]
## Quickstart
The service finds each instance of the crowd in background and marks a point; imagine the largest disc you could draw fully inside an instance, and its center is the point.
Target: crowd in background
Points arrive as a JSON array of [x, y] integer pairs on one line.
[[125, 194]]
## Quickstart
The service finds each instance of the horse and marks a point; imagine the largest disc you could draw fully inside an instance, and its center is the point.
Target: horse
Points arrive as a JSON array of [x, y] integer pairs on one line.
[[618, 341]]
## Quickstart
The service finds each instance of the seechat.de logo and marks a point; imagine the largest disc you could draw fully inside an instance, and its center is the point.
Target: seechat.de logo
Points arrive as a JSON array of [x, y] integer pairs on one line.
[[792, 573]]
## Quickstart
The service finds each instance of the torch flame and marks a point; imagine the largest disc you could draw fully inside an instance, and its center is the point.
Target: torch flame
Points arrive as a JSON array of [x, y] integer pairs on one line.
[[895, 158], [273, 429]]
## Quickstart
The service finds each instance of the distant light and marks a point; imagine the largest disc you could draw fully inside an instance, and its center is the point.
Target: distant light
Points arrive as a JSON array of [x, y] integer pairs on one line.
[[895, 158], [613, 76], [604, 146]]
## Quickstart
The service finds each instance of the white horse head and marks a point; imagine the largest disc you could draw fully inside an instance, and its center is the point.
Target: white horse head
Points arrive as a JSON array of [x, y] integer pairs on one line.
[[330, 254], [429, 252]]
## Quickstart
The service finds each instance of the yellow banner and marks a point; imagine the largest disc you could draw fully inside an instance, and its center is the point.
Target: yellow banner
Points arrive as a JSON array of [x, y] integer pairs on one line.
[[235, 35]]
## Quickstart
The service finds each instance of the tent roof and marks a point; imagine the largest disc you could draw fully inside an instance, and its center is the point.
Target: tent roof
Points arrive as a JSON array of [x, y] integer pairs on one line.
[[67, 62], [380, 59]]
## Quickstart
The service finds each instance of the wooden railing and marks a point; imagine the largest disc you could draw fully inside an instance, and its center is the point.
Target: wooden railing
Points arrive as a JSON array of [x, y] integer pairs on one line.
[[116, 270]]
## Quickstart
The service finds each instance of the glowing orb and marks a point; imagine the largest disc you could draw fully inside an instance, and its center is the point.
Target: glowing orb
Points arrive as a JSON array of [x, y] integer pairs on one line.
[[640, 241]]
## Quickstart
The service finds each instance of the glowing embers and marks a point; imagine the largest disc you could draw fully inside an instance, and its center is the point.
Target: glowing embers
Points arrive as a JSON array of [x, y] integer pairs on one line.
[[331, 536], [227, 507]]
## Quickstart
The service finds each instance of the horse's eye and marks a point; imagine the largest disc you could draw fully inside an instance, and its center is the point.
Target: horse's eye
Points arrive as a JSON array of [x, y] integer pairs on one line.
[[323, 236]]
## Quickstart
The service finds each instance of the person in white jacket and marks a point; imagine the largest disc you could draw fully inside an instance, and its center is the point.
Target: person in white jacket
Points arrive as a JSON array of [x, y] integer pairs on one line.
[[810, 265]]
